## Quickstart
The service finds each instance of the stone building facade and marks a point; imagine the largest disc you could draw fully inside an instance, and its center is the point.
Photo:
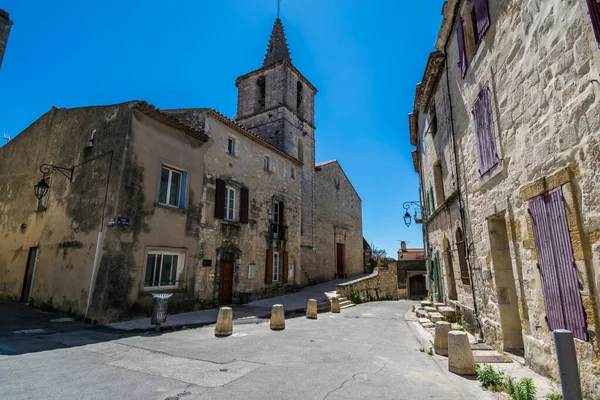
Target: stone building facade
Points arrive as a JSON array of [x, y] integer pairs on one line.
[[512, 89], [185, 201], [5, 24]]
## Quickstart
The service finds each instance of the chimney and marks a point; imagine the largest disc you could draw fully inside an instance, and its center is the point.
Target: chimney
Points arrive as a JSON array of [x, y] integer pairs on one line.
[[5, 24], [403, 246]]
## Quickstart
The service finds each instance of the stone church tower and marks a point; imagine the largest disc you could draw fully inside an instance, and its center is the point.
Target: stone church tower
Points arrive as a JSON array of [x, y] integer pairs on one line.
[[276, 102]]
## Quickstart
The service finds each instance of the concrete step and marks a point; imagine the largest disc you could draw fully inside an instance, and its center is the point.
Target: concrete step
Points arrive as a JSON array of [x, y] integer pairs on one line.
[[421, 314], [430, 309], [347, 306], [426, 323], [425, 303], [449, 313], [435, 317], [438, 305], [345, 303], [324, 307], [341, 299]]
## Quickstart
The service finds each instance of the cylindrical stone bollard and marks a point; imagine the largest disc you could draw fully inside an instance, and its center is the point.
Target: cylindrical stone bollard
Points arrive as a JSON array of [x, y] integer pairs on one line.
[[335, 305], [440, 341], [277, 317], [567, 364], [311, 309], [224, 322], [460, 355]]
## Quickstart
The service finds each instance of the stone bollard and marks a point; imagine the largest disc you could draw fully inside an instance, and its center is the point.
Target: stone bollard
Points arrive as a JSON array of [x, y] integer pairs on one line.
[[440, 341], [335, 305], [460, 355], [277, 317], [224, 322], [311, 309]]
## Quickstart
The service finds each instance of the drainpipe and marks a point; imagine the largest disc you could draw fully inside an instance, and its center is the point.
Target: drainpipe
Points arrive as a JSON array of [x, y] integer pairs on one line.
[[421, 200], [460, 202]]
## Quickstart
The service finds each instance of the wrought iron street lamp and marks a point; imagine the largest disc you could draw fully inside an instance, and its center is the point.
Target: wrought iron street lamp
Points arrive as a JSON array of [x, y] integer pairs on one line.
[[41, 188], [407, 217]]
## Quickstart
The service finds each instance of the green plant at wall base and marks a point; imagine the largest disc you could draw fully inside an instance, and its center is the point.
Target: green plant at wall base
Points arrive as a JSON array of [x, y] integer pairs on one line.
[[355, 298], [422, 350], [520, 390], [413, 309], [430, 351], [554, 396], [491, 379]]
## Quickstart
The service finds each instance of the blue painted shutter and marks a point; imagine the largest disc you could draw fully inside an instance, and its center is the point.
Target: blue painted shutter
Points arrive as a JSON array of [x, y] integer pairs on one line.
[[562, 297], [484, 131], [483, 17], [595, 16], [183, 190], [461, 47]]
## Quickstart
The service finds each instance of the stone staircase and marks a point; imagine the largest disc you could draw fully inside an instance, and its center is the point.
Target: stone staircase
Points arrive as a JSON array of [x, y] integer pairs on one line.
[[345, 303]]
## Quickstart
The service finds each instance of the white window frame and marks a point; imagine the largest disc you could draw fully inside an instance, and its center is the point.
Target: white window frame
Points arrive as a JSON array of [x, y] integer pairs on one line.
[[168, 195], [230, 212], [276, 266], [179, 268], [233, 149], [267, 163]]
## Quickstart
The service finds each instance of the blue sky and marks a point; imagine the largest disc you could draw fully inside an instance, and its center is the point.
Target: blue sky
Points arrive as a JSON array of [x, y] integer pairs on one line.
[[364, 57]]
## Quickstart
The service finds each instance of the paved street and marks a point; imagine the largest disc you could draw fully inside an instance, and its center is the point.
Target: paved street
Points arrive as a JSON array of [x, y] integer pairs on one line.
[[369, 351]]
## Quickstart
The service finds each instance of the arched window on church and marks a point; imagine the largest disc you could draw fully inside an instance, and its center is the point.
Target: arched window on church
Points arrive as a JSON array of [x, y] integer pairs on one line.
[[261, 82], [299, 88], [300, 150]]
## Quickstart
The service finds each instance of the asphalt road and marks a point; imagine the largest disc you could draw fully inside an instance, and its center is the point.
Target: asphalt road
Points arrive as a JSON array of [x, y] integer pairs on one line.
[[368, 352]]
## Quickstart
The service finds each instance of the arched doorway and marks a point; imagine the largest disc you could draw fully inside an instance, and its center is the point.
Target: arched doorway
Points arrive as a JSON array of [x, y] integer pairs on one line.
[[451, 279]]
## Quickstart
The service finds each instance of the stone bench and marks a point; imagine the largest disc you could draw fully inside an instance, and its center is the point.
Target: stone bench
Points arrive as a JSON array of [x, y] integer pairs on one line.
[[449, 313]]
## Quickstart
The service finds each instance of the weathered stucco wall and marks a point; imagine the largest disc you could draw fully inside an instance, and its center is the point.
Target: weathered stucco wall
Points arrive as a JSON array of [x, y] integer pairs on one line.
[[339, 220], [382, 284], [120, 282], [66, 231]]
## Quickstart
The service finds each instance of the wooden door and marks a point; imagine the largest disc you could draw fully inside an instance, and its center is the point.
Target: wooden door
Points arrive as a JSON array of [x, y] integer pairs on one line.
[[226, 282], [417, 287], [28, 278], [340, 260]]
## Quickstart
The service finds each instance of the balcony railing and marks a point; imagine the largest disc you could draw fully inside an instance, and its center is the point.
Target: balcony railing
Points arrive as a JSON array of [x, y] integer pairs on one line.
[[279, 232]]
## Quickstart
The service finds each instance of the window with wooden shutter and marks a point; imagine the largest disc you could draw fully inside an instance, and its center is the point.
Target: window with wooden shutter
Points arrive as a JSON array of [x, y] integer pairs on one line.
[[244, 199], [560, 287], [460, 33], [462, 258], [439, 183], [484, 131], [220, 199], [269, 268], [284, 268], [594, 7], [483, 17]]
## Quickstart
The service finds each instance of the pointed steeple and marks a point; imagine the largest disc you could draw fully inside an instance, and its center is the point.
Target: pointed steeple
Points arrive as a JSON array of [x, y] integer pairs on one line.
[[278, 48]]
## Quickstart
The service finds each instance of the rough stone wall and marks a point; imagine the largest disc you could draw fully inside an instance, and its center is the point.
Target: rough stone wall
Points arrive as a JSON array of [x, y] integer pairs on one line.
[[66, 231], [5, 24], [540, 59], [382, 284], [284, 125], [339, 220], [249, 242]]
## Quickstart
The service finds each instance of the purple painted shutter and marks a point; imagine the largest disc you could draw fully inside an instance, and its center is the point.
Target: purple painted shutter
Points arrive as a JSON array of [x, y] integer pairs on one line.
[[543, 245], [565, 265], [595, 16], [484, 131], [461, 47], [483, 17]]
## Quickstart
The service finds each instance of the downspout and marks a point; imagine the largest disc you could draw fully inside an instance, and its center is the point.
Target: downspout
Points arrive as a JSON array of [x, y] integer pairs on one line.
[[422, 201], [460, 202]]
